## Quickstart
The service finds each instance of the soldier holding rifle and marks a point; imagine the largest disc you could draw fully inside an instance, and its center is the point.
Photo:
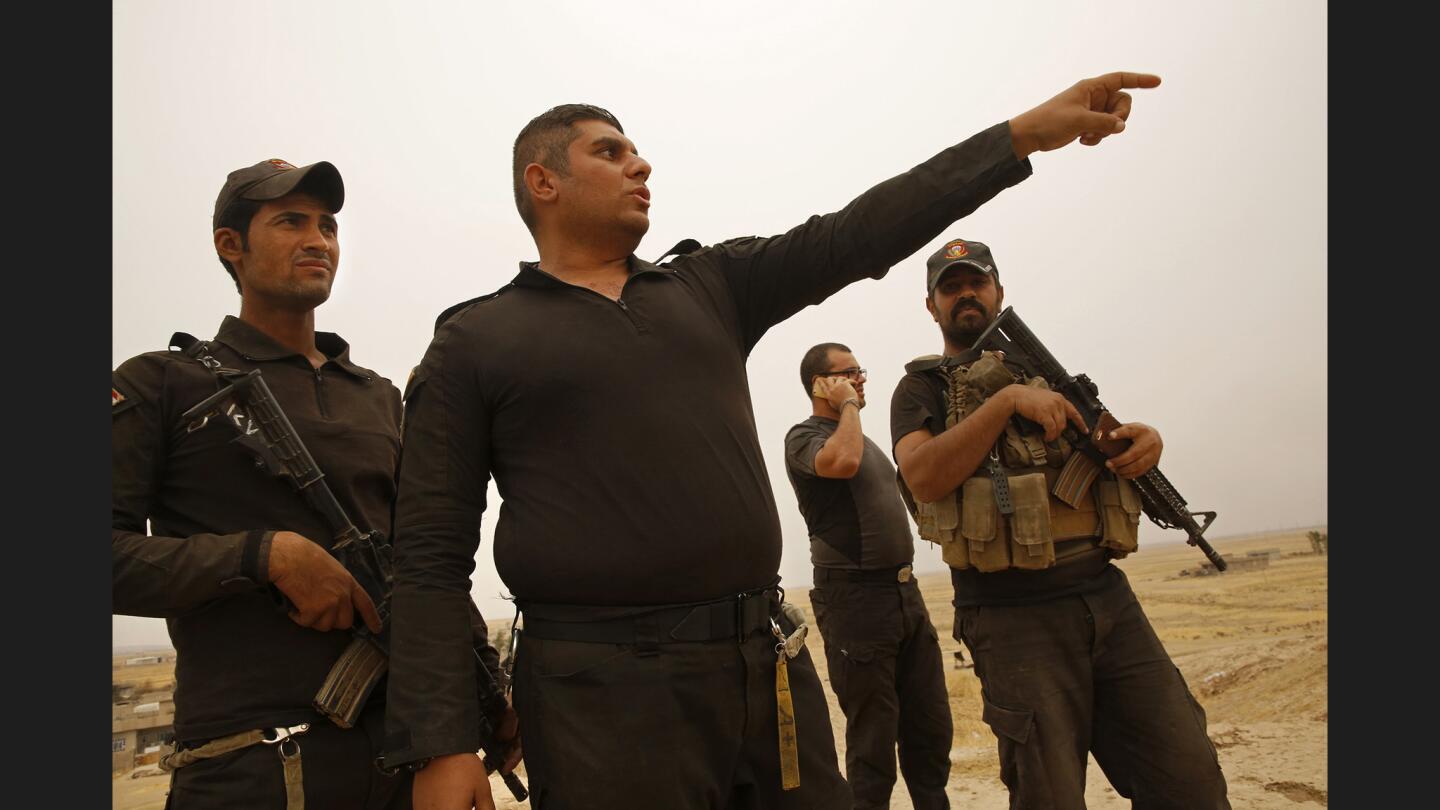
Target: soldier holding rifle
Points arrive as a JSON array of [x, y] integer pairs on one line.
[[235, 561], [1029, 524]]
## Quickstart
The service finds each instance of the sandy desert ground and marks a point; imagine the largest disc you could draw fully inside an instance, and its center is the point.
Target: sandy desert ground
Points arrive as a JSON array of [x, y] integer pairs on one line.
[[1252, 645]]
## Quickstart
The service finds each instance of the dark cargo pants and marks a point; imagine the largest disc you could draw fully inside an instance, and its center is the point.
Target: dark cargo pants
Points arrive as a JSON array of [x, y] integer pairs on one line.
[[337, 768], [689, 726], [887, 672], [1085, 674]]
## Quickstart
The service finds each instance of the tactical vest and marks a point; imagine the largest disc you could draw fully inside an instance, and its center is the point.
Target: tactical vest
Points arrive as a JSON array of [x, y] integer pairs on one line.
[[1055, 494]]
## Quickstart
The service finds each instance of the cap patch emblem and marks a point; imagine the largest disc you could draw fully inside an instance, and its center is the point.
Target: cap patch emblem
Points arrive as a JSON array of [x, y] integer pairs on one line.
[[280, 164], [955, 250], [116, 397]]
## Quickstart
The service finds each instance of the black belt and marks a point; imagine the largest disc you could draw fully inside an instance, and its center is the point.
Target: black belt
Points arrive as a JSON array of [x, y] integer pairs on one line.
[[896, 575], [732, 617]]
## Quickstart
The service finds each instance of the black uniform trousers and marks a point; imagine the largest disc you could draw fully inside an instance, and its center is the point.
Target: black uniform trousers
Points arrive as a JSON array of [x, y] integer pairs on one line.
[[1082, 674], [682, 726], [888, 674], [337, 769]]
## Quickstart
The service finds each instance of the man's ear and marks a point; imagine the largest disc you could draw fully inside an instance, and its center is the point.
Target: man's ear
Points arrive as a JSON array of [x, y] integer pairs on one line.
[[229, 244], [930, 307], [540, 182], [999, 298]]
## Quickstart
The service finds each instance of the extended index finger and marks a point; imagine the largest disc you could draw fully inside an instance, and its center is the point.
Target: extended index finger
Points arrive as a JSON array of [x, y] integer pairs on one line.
[[1125, 80], [1075, 417], [366, 607]]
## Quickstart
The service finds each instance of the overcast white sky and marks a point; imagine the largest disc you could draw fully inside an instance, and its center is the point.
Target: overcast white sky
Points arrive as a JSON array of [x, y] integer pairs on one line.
[[1181, 264]]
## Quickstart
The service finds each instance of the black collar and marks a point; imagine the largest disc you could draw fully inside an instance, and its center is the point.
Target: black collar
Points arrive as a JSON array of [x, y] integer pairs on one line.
[[256, 345], [531, 275]]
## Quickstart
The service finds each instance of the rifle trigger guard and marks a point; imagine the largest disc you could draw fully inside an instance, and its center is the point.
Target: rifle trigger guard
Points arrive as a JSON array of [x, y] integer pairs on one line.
[[199, 423]]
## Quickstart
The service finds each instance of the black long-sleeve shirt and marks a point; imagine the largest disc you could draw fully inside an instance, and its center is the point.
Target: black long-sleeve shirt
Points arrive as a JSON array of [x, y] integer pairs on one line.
[[241, 663], [620, 433]]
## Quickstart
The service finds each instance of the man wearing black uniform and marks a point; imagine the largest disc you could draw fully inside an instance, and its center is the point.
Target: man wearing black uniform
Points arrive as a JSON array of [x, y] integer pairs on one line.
[[225, 539], [607, 395], [883, 653], [1067, 661]]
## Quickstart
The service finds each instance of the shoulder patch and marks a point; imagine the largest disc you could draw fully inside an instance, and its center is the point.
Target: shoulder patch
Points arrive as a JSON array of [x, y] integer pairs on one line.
[[456, 309], [122, 396], [412, 382]]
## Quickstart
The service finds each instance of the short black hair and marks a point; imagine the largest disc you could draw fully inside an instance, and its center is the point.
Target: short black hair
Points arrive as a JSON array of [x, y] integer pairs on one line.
[[817, 361], [238, 216], [546, 140]]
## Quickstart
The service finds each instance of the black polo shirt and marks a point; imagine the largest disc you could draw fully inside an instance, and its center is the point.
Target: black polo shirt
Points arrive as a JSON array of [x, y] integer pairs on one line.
[[241, 663], [620, 433], [856, 523]]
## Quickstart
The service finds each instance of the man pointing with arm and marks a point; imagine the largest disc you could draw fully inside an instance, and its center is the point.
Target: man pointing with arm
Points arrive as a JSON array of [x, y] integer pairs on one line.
[[608, 397]]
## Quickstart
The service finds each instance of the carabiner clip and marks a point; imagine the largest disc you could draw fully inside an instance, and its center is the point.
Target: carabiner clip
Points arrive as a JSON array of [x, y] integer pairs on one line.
[[282, 734]]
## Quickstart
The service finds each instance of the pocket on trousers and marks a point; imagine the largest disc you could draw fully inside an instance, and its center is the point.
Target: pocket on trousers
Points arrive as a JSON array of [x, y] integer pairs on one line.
[[819, 608], [1012, 724], [980, 525], [578, 661]]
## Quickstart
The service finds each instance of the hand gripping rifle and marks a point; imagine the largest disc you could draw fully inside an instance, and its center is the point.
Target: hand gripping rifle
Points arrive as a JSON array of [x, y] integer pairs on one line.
[[246, 404], [1158, 498]]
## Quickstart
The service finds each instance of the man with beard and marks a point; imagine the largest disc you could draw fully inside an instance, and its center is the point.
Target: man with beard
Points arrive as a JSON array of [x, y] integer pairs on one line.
[[225, 541], [1067, 661], [883, 652], [608, 397]]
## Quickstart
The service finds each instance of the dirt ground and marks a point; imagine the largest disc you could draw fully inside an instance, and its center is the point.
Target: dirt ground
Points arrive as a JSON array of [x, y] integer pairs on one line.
[[1252, 645]]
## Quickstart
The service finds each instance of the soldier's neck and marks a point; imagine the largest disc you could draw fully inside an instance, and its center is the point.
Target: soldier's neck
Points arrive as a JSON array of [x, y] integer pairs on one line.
[[578, 260], [293, 329], [953, 349]]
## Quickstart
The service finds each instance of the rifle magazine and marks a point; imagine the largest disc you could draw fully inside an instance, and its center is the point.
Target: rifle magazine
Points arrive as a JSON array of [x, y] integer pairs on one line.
[[350, 681]]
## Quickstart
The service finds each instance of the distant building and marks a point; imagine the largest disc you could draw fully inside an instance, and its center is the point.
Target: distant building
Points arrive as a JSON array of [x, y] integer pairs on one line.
[[139, 728], [143, 660], [1253, 561]]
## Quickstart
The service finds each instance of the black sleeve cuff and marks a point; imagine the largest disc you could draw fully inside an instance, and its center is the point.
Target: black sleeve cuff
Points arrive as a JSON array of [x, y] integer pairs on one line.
[[255, 556]]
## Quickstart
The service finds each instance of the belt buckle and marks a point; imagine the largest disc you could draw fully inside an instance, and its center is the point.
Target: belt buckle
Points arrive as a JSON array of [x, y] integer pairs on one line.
[[904, 575]]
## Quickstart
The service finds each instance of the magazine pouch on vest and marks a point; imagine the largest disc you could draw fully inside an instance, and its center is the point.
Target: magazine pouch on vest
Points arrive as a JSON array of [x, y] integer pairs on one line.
[[982, 526], [938, 522], [1032, 545], [1119, 514], [953, 548]]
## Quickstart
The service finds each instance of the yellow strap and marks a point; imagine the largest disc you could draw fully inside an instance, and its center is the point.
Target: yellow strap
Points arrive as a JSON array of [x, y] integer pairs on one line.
[[294, 783], [214, 748], [785, 713]]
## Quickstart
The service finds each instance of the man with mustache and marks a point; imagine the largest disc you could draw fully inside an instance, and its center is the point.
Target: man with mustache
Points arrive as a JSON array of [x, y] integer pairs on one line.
[[608, 397], [1067, 661], [883, 652], [225, 541]]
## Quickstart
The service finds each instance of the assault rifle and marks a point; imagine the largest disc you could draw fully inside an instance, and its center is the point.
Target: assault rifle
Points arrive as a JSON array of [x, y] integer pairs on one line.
[[1159, 500], [246, 404]]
